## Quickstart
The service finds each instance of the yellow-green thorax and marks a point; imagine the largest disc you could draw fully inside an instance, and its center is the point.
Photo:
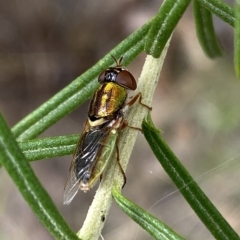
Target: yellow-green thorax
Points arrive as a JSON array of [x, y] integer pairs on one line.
[[108, 99]]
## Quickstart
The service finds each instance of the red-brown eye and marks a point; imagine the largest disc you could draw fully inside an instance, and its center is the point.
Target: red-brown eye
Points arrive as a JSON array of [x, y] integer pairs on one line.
[[126, 79], [101, 77]]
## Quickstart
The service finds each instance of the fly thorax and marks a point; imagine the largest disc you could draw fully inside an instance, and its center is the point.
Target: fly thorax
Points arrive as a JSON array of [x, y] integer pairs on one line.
[[107, 100]]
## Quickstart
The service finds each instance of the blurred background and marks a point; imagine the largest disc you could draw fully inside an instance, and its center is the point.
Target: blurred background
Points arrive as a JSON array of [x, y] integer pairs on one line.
[[44, 45]]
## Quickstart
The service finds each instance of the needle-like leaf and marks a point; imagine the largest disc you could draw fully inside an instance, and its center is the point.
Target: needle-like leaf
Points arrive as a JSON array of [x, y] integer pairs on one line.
[[196, 198], [14, 161], [152, 225], [205, 31]]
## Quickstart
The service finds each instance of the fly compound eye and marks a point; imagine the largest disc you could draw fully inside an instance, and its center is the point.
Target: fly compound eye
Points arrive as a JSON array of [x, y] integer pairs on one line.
[[126, 80], [108, 75], [101, 77]]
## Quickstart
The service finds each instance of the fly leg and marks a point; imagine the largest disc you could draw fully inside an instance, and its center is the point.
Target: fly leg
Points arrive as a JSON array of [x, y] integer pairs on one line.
[[125, 124], [136, 97], [120, 167], [119, 164]]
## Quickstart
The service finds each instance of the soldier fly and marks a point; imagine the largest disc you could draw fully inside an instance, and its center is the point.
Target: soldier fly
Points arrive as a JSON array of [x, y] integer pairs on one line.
[[99, 136]]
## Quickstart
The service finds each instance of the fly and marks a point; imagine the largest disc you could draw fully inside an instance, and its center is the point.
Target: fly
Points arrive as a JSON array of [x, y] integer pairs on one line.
[[99, 136]]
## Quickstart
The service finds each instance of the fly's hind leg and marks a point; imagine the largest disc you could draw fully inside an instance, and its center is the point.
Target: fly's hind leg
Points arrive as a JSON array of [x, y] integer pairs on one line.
[[125, 124], [120, 166]]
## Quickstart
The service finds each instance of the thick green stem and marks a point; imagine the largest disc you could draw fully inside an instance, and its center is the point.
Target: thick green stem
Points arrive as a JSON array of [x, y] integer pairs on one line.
[[13, 160]]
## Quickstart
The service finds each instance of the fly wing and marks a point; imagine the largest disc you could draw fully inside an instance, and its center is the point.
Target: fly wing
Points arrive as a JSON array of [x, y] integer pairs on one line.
[[71, 187], [84, 159]]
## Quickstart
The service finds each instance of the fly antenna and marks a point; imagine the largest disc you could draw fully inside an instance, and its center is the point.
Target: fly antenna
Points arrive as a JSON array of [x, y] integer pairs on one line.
[[118, 62]]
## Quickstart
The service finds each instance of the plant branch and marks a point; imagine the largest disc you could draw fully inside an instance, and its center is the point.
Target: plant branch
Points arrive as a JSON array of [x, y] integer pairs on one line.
[[102, 201]]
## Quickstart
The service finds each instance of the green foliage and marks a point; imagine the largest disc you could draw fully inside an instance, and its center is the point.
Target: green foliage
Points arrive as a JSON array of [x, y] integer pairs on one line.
[[205, 31], [28, 184], [152, 225], [152, 37], [196, 198]]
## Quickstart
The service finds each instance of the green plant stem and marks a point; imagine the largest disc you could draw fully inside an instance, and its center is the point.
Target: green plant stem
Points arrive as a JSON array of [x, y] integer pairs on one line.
[[79, 90], [163, 25], [147, 221], [49, 147], [205, 31], [196, 198], [237, 39], [220, 9], [24, 178]]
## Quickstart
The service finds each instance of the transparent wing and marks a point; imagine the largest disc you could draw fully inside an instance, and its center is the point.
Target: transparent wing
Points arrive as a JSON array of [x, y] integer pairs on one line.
[[84, 159], [71, 187]]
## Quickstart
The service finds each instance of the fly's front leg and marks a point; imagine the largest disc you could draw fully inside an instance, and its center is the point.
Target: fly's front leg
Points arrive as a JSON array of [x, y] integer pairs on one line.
[[136, 97], [139, 98]]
